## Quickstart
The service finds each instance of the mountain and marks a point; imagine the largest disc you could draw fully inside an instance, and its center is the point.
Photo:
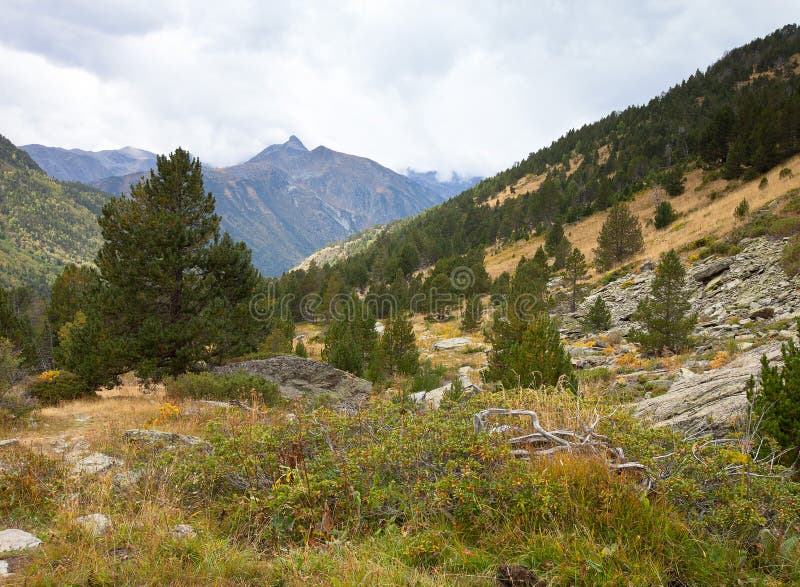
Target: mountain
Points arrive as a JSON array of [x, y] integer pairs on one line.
[[88, 166], [287, 201], [446, 189], [731, 123], [44, 223]]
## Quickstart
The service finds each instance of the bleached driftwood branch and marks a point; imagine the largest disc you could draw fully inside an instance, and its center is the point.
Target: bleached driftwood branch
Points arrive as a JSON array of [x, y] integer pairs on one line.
[[543, 442]]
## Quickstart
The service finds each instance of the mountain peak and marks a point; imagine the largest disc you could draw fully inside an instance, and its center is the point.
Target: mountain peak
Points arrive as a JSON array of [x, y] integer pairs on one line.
[[295, 143]]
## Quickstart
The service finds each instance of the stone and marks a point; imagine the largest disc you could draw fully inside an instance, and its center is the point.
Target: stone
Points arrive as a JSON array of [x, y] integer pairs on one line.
[[127, 480], [713, 399], [183, 531], [298, 377], [14, 539], [4, 570], [380, 327], [451, 343], [96, 463], [9, 442], [96, 524], [708, 271], [168, 439]]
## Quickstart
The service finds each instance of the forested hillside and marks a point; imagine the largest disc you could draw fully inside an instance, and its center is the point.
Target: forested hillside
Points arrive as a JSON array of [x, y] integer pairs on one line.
[[44, 223], [740, 117]]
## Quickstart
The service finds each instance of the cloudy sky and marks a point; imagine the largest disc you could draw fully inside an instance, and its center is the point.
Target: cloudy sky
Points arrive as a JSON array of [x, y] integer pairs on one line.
[[455, 85]]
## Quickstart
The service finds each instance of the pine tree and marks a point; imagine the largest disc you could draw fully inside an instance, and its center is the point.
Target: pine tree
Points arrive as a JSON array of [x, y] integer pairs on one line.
[[528, 289], [598, 318], [665, 313], [399, 347], [620, 237], [665, 215], [300, 350], [777, 400], [351, 339], [575, 270], [557, 245], [172, 285], [473, 314], [528, 353]]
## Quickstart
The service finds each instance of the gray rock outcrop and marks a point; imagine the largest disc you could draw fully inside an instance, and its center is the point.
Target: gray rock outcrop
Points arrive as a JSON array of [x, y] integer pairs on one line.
[[298, 377], [713, 399]]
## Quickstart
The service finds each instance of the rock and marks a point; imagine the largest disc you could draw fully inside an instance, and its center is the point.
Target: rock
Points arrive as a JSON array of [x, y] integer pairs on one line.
[[166, 438], [298, 377], [713, 399], [96, 463], [4, 570], [451, 343], [9, 442], [647, 265], [127, 480], [380, 327], [13, 539], [710, 270], [12, 564], [183, 531], [95, 524]]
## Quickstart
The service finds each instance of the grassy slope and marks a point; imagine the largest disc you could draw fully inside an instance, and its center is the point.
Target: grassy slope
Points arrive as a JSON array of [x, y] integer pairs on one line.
[[700, 216]]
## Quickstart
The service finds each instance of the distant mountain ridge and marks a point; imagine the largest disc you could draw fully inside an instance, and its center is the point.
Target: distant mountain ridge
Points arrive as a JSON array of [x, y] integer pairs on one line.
[[88, 166], [288, 201], [44, 223]]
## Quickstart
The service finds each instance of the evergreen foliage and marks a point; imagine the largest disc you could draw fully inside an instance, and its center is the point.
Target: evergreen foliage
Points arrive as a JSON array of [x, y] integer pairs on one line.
[[300, 350], [575, 270], [620, 238], [777, 401], [399, 355], [665, 215], [557, 245], [174, 293], [598, 318], [665, 313], [528, 353], [350, 339], [473, 314]]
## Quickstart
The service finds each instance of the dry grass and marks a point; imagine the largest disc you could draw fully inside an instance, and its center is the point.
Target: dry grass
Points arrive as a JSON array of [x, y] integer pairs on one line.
[[700, 216]]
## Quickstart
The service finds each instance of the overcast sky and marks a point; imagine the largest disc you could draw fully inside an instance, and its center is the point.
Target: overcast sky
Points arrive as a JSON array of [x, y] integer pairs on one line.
[[457, 86]]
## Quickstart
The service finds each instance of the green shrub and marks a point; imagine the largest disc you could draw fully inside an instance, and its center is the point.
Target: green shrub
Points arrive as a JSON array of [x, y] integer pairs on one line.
[[428, 377], [742, 209], [223, 387], [785, 172], [52, 387], [763, 183], [785, 226]]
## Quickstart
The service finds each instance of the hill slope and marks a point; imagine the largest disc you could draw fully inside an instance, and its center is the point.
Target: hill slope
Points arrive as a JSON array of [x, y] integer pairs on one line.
[[738, 119], [88, 166], [44, 223]]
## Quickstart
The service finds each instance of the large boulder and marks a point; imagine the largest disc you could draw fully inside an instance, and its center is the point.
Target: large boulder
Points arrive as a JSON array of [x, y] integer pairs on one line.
[[710, 400], [298, 377], [14, 539]]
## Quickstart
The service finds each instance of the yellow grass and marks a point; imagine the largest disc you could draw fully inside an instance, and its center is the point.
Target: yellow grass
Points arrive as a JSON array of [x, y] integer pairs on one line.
[[700, 216]]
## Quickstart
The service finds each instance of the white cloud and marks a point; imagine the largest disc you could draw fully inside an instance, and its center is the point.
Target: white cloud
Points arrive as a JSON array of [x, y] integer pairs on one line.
[[451, 85]]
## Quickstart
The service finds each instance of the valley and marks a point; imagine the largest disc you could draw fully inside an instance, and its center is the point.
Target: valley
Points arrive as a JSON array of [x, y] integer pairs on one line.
[[582, 370]]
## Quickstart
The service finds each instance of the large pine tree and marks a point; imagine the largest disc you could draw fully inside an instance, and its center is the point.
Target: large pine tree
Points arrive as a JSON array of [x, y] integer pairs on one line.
[[175, 292]]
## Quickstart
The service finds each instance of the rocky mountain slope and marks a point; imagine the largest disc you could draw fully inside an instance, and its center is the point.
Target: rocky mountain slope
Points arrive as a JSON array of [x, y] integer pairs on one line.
[[89, 166]]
